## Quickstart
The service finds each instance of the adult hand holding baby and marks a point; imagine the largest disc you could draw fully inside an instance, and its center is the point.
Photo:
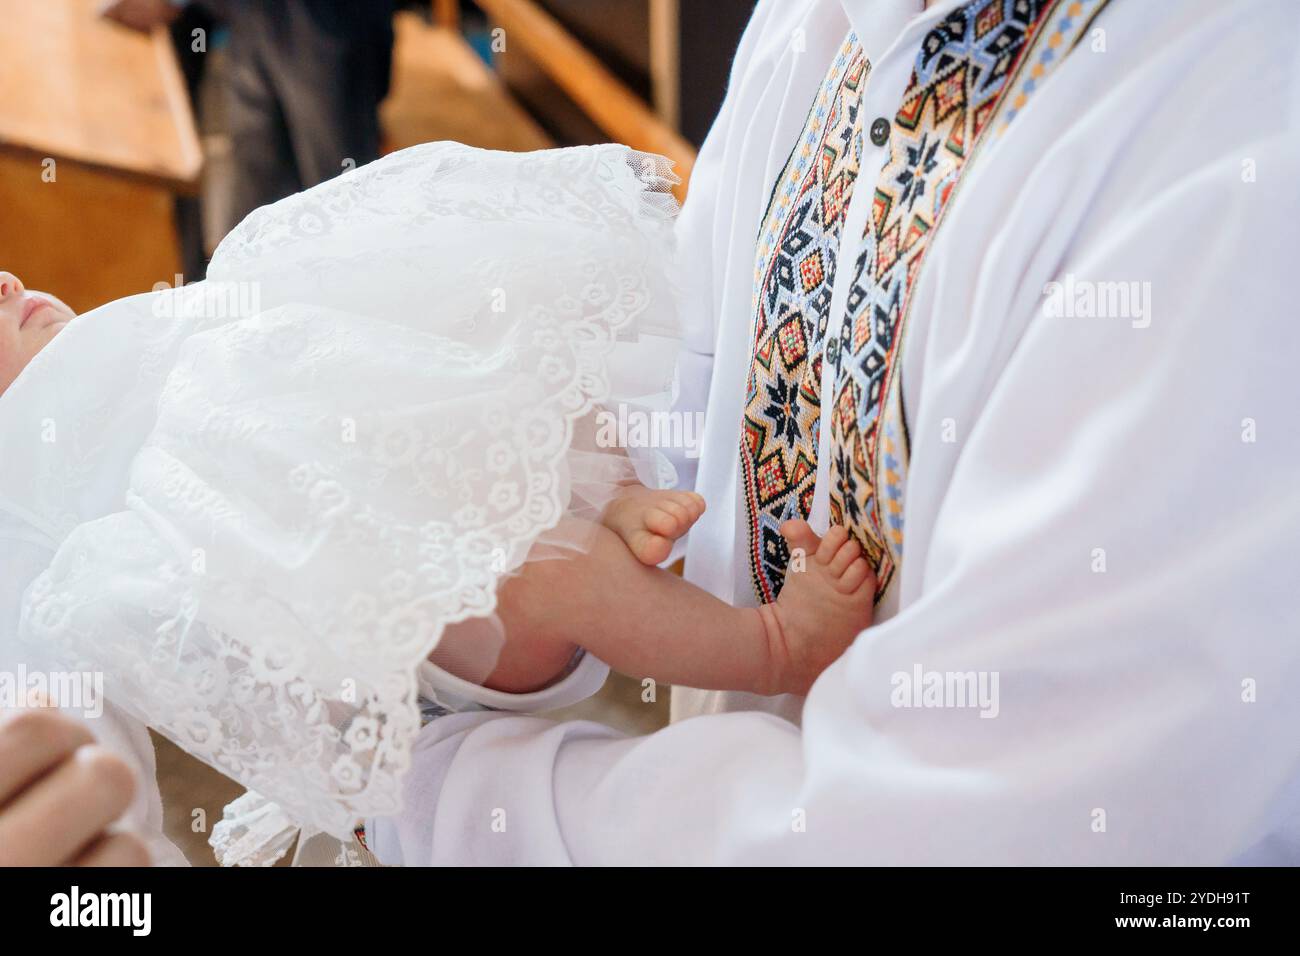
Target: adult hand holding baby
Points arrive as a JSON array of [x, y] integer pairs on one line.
[[59, 793]]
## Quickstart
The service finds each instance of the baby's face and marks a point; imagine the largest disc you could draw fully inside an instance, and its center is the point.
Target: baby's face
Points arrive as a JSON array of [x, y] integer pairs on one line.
[[28, 321]]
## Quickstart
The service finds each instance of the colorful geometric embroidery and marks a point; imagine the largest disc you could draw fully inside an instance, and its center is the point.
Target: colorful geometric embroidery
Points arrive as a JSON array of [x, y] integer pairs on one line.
[[958, 97], [961, 73], [1064, 33], [794, 274]]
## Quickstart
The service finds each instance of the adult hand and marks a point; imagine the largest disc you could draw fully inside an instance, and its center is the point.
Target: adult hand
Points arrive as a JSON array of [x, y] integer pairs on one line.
[[141, 15], [59, 792]]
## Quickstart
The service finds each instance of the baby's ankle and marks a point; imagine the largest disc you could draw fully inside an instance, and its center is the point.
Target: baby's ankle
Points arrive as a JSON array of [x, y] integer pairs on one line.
[[771, 673]]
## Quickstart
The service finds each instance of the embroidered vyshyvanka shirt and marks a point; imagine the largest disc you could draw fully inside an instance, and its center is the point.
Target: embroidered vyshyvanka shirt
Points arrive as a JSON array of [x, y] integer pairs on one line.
[[817, 375]]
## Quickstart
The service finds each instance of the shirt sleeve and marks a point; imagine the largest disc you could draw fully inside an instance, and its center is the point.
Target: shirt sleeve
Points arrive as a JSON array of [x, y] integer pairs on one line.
[[1109, 575], [701, 231]]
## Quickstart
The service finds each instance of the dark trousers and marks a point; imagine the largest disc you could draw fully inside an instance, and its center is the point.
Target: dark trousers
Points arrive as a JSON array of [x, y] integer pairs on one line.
[[305, 81], [189, 219]]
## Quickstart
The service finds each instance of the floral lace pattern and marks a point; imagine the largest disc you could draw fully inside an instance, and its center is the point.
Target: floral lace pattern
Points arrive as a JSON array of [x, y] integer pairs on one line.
[[258, 559]]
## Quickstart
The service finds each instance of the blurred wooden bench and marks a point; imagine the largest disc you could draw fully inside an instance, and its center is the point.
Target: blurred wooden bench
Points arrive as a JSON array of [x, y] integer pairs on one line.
[[96, 138]]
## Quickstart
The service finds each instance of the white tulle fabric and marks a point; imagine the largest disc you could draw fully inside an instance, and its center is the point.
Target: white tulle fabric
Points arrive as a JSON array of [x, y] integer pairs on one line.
[[272, 492]]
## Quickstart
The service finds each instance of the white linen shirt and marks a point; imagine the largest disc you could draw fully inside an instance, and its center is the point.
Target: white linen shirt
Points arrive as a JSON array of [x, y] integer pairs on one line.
[[1110, 530]]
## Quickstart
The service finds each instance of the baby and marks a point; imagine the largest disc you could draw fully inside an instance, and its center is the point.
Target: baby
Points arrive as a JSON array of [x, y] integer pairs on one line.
[[355, 469], [611, 598], [28, 321]]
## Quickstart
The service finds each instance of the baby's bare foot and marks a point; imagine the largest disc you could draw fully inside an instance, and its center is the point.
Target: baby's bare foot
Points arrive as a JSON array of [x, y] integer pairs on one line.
[[650, 521], [826, 601]]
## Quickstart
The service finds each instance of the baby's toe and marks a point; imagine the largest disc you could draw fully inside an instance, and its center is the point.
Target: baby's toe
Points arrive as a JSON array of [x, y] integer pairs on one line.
[[693, 502], [665, 519], [799, 535], [831, 543], [692, 505], [855, 577], [649, 548], [848, 552]]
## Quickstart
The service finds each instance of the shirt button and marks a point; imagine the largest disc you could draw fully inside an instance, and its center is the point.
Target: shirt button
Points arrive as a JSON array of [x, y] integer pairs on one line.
[[880, 131]]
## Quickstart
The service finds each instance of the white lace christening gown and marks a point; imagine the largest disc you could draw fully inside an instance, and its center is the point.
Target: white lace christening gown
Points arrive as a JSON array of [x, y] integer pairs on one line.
[[272, 491]]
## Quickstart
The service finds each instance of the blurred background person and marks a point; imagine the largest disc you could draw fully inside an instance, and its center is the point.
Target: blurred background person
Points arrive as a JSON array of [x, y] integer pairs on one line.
[[301, 90]]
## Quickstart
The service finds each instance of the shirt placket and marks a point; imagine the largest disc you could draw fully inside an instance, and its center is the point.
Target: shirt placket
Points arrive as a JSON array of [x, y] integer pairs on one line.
[[883, 92]]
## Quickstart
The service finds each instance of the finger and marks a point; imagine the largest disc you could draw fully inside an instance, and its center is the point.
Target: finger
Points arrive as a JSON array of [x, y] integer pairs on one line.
[[833, 541], [848, 553], [32, 742], [118, 849], [61, 813]]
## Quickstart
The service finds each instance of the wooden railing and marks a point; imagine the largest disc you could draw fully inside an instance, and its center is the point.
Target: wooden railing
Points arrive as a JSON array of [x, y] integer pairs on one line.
[[623, 115]]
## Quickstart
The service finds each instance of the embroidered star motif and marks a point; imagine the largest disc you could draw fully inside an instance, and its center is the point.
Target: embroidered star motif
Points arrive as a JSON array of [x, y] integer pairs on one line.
[[920, 164], [784, 395]]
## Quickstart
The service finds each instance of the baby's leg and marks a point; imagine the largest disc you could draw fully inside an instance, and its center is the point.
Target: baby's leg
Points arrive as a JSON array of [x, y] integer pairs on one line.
[[649, 623], [632, 616]]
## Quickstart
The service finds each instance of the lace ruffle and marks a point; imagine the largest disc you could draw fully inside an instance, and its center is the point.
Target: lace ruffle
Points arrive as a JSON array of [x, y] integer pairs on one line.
[[318, 488]]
